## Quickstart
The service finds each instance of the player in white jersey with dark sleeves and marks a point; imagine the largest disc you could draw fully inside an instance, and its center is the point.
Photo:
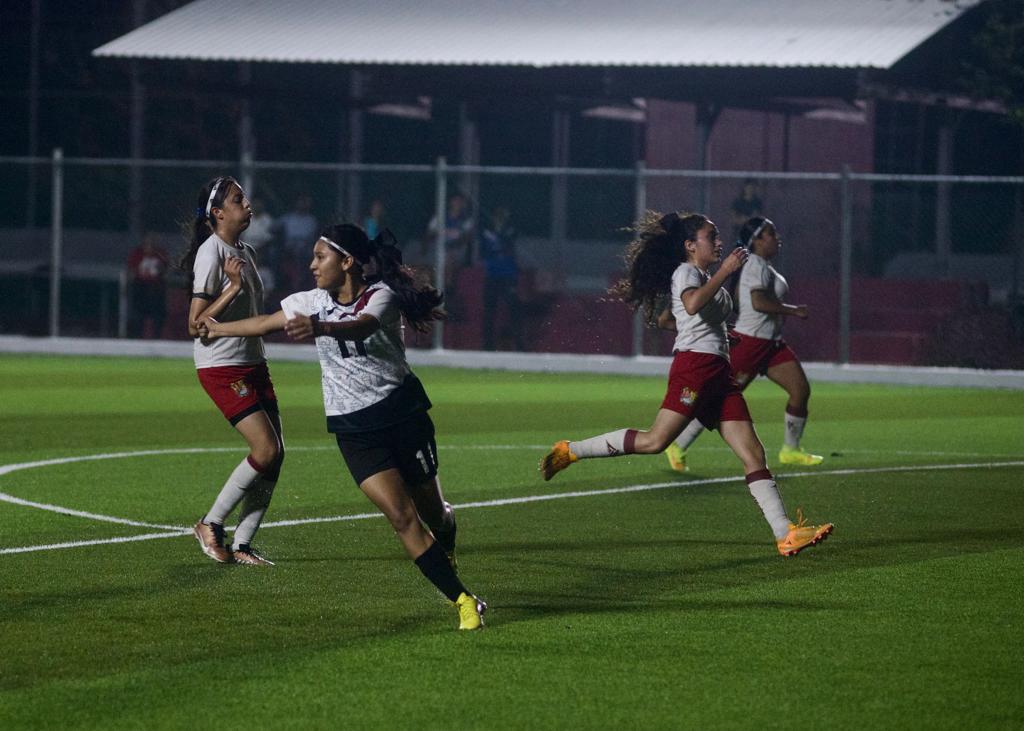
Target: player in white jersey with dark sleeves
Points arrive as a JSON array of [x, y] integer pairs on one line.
[[225, 283], [672, 255], [757, 345], [375, 406]]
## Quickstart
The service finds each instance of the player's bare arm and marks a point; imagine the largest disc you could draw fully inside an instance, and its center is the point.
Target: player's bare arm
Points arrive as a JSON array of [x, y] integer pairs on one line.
[[695, 298], [200, 308], [764, 301], [666, 320], [259, 325], [302, 327]]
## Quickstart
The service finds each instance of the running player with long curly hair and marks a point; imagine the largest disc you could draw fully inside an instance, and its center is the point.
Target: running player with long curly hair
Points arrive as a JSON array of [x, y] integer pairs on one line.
[[672, 255]]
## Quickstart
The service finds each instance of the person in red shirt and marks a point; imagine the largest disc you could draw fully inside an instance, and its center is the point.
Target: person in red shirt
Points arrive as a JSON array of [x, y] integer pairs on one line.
[[147, 288]]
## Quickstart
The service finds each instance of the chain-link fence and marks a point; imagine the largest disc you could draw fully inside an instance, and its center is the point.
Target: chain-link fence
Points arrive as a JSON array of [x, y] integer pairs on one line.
[[923, 270]]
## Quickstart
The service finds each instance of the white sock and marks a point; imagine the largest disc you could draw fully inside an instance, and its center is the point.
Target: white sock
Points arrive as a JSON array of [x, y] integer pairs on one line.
[[611, 444], [233, 491], [766, 495], [254, 507], [794, 430], [690, 434]]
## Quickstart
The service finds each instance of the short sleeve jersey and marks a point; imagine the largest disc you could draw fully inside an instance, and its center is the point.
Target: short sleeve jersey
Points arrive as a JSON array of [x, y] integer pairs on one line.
[[758, 274], [209, 280], [367, 384], [703, 332]]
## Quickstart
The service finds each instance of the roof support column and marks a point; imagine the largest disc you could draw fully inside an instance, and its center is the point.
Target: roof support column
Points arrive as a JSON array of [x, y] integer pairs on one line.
[[137, 132], [707, 115], [350, 185], [559, 183], [469, 154], [944, 166], [246, 135]]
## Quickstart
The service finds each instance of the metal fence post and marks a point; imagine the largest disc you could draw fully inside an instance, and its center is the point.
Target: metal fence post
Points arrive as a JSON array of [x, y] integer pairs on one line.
[[440, 254], [122, 304], [845, 263], [56, 239], [640, 207]]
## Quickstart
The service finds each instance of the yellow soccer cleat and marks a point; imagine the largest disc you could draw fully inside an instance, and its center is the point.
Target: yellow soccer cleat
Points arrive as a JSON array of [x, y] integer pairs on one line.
[[795, 455], [557, 459], [471, 611], [801, 536], [676, 457]]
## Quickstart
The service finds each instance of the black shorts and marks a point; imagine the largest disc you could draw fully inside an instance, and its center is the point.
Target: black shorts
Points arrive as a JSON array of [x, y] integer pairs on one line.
[[407, 446]]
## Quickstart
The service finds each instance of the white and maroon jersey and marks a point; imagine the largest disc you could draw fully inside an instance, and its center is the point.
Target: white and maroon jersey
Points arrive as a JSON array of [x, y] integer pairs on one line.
[[758, 274], [209, 280], [703, 332], [367, 383]]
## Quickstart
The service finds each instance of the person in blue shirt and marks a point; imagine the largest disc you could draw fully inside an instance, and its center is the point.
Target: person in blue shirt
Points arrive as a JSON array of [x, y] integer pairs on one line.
[[501, 277]]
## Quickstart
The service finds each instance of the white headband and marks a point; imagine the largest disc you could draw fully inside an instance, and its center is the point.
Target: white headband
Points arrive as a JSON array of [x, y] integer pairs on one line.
[[335, 246], [213, 192], [758, 230], [370, 268]]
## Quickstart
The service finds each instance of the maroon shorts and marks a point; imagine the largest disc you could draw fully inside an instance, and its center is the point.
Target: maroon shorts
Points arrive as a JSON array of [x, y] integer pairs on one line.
[[700, 385], [239, 390], [752, 357]]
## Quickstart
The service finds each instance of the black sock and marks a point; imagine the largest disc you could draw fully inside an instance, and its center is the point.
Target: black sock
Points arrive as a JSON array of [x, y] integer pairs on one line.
[[435, 566]]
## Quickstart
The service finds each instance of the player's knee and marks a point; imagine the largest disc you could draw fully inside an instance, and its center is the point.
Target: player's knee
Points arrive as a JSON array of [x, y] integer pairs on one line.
[[403, 520], [269, 456]]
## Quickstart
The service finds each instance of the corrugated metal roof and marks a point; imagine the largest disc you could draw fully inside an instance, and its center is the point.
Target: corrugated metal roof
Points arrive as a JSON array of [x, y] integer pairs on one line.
[[544, 33]]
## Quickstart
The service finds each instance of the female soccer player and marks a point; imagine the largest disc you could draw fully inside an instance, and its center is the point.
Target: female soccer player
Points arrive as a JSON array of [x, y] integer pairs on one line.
[[225, 283], [757, 347], [376, 407], [672, 254]]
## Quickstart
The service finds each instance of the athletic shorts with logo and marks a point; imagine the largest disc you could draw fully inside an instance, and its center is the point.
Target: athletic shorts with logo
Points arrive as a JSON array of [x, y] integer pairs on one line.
[[752, 357], [407, 446], [239, 390], [700, 385]]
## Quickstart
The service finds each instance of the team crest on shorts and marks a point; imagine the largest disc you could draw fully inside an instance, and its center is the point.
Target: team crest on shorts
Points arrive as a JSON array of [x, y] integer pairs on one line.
[[688, 396], [241, 388]]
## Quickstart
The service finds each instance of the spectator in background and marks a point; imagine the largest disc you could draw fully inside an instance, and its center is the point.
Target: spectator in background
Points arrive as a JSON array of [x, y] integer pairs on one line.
[[374, 223], [260, 235], [458, 238], [745, 205], [147, 294], [297, 227], [501, 277]]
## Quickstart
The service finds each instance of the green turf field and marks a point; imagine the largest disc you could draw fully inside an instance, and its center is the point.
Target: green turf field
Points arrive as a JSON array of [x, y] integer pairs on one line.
[[665, 607]]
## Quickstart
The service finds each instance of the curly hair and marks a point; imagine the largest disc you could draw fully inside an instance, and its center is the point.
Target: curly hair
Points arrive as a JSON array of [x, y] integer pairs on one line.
[[651, 257]]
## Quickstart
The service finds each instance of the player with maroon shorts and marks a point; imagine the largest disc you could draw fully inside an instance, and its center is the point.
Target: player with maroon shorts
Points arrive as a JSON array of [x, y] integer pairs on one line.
[[225, 283], [757, 347], [671, 255]]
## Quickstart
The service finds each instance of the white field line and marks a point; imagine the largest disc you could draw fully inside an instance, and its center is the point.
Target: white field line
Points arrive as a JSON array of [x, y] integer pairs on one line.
[[175, 531]]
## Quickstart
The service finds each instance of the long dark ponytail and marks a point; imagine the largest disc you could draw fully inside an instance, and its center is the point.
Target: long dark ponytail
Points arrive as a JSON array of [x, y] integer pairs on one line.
[[381, 261], [198, 227], [651, 257]]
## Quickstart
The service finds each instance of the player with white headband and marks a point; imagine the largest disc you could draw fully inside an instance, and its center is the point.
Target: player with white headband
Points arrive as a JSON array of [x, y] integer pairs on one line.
[[757, 347], [376, 407], [225, 283]]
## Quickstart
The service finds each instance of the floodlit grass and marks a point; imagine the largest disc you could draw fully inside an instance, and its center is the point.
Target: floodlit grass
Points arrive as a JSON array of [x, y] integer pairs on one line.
[[662, 608]]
